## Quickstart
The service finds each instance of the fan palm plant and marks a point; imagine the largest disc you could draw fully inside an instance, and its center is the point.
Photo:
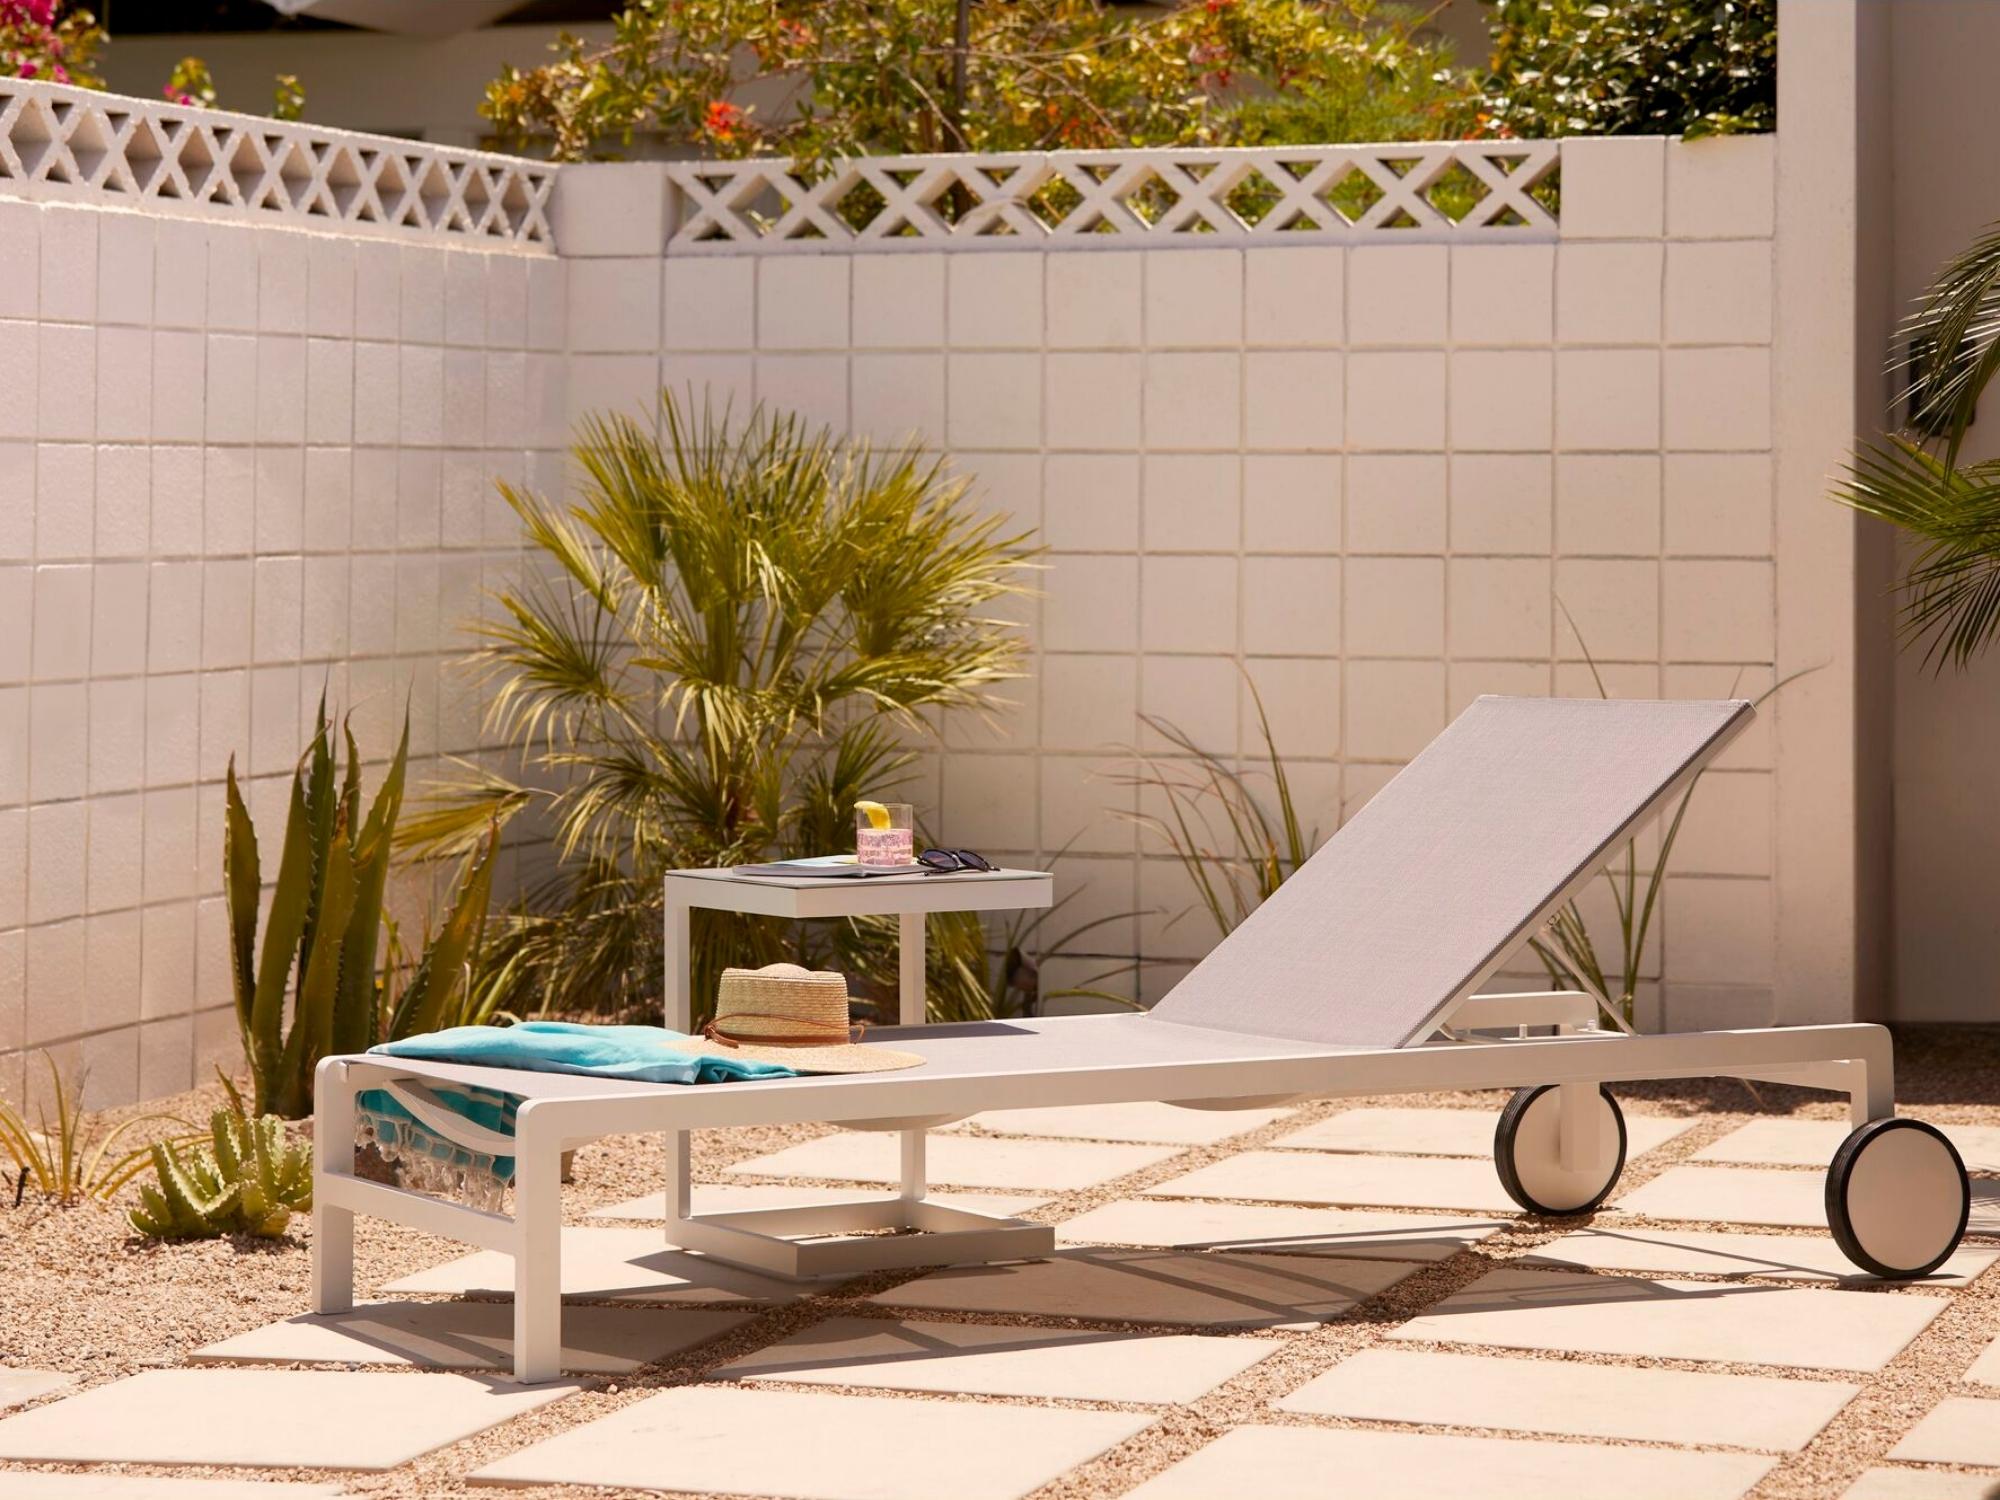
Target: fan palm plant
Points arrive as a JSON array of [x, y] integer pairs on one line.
[[738, 630], [1945, 354]]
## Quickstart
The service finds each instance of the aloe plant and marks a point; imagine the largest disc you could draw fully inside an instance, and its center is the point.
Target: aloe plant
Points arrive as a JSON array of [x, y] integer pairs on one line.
[[325, 924], [67, 1160], [249, 1179]]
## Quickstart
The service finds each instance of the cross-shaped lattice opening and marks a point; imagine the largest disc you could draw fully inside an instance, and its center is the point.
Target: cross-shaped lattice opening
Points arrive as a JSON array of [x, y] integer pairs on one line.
[[148, 155], [92, 140], [242, 165], [1053, 201], [1455, 192], [514, 202], [196, 161], [859, 205], [1352, 194]]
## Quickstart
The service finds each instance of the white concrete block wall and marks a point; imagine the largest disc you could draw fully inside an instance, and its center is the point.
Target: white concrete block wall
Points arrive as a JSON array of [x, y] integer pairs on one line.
[[1364, 474], [237, 463]]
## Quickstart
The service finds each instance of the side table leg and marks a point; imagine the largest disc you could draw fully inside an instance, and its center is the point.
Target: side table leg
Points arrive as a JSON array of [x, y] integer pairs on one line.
[[911, 1012], [679, 991]]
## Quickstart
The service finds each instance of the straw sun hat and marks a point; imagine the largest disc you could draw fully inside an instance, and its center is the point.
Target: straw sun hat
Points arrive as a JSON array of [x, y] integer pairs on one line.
[[782, 1013]]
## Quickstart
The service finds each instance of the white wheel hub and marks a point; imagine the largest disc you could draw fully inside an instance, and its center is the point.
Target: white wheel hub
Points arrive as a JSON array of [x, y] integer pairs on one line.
[[1538, 1156], [1904, 1197]]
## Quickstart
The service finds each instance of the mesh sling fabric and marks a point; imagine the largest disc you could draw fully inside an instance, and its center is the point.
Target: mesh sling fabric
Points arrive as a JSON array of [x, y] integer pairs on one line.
[[1447, 870]]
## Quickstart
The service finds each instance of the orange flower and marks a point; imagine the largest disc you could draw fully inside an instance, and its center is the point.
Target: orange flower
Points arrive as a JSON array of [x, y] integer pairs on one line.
[[722, 120]]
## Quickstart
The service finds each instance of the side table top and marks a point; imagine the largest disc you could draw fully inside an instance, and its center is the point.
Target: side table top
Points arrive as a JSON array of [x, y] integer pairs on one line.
[[882, 895]]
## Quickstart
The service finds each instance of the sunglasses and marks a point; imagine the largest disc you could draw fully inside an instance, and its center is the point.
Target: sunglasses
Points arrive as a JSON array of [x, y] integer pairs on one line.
[[953, 861]]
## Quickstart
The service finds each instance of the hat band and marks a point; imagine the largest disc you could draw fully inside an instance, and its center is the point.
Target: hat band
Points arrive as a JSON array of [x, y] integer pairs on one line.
[[834, 1033]]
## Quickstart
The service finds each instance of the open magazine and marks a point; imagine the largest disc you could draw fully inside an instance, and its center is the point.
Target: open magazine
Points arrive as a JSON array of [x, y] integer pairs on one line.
[[829, 867]]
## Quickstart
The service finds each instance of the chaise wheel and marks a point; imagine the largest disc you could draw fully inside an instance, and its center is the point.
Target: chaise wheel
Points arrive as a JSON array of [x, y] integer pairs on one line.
[[1527, 1153], [1897, 1198]]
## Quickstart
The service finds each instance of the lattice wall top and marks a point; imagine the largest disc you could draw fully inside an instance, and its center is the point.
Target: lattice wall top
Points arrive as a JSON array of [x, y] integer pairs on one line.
[[1446, 190], [59, 142]]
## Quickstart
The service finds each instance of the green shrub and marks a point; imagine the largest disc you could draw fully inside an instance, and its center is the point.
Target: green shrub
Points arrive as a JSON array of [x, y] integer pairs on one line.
[[1636, 67]]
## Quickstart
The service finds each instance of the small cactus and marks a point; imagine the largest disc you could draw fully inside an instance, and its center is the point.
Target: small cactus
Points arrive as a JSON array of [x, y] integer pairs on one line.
[[249, 1179]]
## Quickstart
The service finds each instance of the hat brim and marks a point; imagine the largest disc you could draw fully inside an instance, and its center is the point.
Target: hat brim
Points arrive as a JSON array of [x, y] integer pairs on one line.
[[846, 1057]]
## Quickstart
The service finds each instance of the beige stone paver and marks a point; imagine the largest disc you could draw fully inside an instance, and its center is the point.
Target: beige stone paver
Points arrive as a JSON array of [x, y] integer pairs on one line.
[[1986, 1369], [1731, 1195], [1921, 1484], [1574, 1399], [814, 1446], [1331, 1178], [1189, 1224], [1811, 1143], [17, 1386], [1445, 1132], [470, 1336], [733, 1197], [1960, 1430], [306, 1419], [987, 1359], [24, 1484], [1709, 1252], [960, 1160], [631, 1265], [1146, 1123], [1216, 1289], [1301, 1463], [1762, 1195], [1803, 1327]]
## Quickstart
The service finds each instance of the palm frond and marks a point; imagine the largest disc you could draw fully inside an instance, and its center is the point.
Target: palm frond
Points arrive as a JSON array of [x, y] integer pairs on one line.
[[1951, 590]]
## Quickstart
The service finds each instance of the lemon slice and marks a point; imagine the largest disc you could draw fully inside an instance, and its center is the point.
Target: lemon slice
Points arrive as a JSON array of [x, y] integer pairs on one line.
[[876, 814]]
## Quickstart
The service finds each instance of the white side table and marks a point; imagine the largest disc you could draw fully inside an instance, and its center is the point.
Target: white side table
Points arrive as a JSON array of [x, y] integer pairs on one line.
[[769, 1239]]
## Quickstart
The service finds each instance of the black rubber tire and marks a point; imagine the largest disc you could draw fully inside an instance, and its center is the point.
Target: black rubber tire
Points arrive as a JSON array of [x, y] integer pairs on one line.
[[1840, 1221], [1510, 1177]]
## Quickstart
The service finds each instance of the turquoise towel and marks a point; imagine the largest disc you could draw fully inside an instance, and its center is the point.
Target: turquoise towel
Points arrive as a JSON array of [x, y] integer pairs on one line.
[[646, 1054]]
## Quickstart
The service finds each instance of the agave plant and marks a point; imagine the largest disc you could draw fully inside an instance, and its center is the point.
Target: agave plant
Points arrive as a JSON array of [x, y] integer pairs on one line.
[[325, 924], [67, 1160], [1946, 353], [741, 629]]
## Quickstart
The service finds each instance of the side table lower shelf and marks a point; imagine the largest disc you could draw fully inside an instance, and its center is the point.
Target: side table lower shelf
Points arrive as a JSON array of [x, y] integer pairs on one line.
[[843, 1239]]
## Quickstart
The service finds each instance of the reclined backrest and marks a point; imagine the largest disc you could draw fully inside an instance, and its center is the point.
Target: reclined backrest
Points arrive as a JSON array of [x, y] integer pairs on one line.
[[1425, 892]]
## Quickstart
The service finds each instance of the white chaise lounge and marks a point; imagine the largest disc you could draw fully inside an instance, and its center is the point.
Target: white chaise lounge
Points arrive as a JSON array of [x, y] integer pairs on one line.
[[1359, 976]]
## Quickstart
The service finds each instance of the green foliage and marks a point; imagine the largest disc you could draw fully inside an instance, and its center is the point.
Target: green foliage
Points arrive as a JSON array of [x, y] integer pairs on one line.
[[734, 629], [325, 923], [191, 83], [1946, 353], [1634, 67], [249, 1179], [69, 1160], [849, 77], [1234, 850], [288, 97], [37, 42]]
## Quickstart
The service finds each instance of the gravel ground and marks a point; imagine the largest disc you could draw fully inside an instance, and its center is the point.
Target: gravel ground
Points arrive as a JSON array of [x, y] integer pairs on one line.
[[81, 1293]]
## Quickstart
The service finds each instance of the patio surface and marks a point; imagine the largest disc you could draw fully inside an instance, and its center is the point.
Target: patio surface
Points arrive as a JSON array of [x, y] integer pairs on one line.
[[1239, 1305]]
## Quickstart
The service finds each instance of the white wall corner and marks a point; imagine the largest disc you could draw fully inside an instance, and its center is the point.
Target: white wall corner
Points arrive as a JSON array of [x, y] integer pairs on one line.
[[1823, 776], [610, 208]]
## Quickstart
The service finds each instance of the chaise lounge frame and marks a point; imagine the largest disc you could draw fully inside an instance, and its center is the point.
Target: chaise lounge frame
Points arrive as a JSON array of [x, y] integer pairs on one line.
[[1465, 1040]]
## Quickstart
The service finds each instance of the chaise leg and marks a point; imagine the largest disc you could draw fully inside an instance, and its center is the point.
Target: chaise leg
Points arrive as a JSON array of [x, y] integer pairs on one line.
[[333, 1156], [1577, 1125], [537, 1253], [1873, 1096]]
